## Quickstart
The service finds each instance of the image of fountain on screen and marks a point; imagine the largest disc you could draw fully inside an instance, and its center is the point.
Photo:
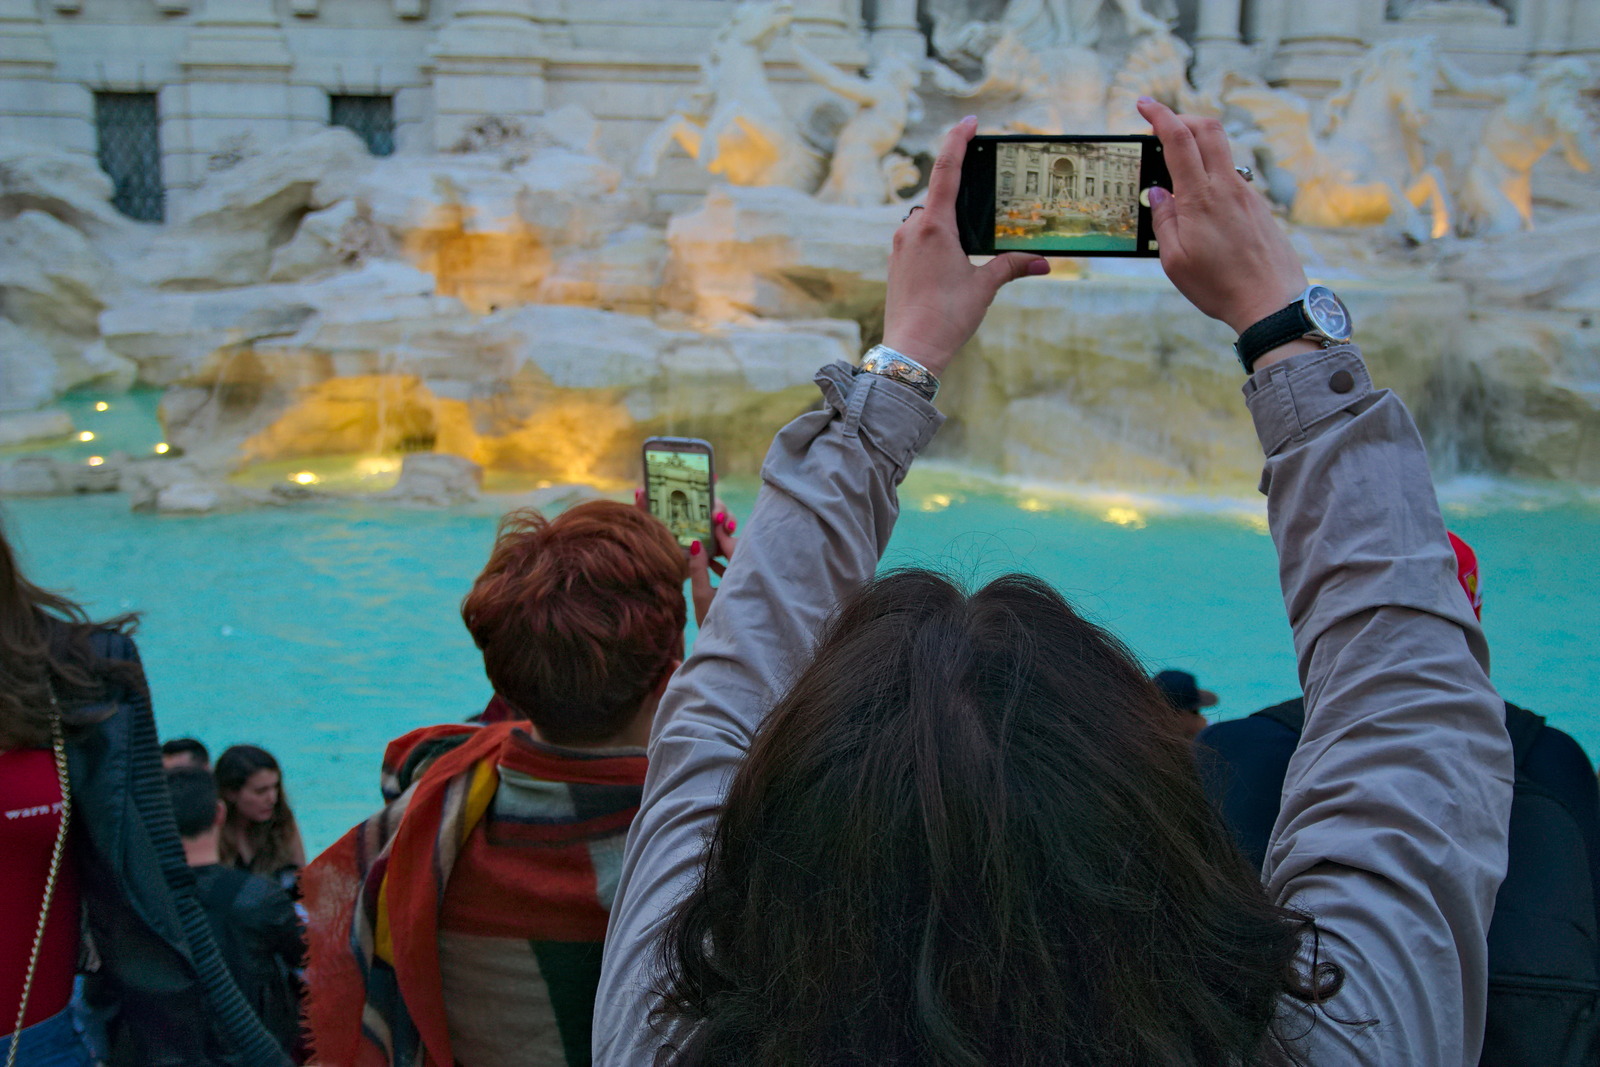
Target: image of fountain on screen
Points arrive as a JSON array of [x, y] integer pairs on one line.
[[1074, 196], [679, 487]]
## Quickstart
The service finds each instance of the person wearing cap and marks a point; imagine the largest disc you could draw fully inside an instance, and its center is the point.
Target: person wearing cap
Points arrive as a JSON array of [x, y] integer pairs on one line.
[[1183, 692]]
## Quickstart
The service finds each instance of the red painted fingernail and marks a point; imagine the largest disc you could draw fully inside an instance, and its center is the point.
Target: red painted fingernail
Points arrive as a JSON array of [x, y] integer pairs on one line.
[[694, 548], [733, 524], [718, 516]]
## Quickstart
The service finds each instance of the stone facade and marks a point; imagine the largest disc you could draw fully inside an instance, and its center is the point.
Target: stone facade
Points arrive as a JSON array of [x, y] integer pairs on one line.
[[222, 80]]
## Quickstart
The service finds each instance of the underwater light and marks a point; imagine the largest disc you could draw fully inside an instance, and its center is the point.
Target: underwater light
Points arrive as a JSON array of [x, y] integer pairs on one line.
[[95, 461], [86, 436], [102, 406], [162, 448], [304, 478]]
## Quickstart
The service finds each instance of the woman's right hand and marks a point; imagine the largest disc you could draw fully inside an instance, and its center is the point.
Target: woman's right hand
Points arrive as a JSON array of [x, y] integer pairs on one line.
[[1220, 244], [936, 296]]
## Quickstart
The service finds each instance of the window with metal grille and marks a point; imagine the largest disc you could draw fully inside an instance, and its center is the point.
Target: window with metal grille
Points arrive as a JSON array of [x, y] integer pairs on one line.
[[128, 132], [371, 118]]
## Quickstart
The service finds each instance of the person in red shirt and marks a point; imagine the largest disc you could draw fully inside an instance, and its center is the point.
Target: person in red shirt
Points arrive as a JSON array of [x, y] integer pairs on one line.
[[89, 845]]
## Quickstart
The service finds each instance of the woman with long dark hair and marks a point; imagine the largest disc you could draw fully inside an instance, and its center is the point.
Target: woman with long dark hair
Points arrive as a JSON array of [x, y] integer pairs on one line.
[[260, 834], [92, 855], [890, 822]]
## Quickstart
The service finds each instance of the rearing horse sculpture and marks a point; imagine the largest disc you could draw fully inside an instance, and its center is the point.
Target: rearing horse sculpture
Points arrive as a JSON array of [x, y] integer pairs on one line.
[[1367, 161]]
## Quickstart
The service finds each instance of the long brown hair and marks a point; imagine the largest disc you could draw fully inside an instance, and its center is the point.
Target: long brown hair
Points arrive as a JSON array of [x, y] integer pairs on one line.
[[970, 833], [46, 646], [276, 842]]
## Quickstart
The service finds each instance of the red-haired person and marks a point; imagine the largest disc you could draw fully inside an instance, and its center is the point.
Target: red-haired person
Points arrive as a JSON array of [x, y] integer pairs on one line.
[[463, 924]]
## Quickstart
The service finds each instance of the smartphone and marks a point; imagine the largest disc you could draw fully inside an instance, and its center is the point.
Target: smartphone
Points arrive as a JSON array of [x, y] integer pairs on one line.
[[1060, 196], [679, 484]]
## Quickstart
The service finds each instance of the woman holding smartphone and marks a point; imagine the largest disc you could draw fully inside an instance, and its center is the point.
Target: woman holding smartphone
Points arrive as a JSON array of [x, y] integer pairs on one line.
[[888, 822]]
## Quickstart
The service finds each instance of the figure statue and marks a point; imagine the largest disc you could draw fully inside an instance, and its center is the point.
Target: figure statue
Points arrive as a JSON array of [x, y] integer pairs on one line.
[[1037, 92], [1049, 24], [1364, 160], [885, 103], [1536, 114], [732, 123]]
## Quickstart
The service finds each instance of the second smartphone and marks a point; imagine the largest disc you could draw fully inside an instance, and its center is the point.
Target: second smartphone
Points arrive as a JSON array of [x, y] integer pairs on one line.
[[679, 483], [1060, 196]]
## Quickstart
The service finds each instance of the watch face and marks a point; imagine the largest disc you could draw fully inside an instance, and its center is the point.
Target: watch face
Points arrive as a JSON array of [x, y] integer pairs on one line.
[[1328, 313]]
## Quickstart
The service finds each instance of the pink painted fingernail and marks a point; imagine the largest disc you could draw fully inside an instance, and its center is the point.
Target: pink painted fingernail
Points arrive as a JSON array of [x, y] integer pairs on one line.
[[970, 120], [733, 524], [1147, 100], [694, 548], [718, 516], [1159, 195]]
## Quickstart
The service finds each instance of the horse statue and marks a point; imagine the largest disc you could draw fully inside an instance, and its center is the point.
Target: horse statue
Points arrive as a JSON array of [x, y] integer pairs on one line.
[[1363, 159], [1536, 114], [732, 122]]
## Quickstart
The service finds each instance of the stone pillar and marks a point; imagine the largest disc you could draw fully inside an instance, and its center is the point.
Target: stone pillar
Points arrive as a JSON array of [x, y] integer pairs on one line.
[[1585, 33], [1551, 22], [234, 100], [895, 31], [489, 59], [37, 107], [1320, 38], [1216, 39]]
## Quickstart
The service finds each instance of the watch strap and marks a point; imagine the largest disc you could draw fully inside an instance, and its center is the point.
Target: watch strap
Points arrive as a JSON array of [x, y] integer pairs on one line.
[[886, 362], [1279, 328]]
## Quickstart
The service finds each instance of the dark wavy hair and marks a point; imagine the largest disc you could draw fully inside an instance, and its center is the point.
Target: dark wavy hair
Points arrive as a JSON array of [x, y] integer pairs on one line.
[[46, 646], [277, 841], [971, 833]]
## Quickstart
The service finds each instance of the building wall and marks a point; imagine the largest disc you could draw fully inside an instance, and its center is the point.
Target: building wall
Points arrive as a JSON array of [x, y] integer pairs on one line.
[[234, 76]]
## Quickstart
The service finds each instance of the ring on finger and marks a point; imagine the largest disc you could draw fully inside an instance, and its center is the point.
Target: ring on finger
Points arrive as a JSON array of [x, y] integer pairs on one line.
[[1246, 173], [913, 211]]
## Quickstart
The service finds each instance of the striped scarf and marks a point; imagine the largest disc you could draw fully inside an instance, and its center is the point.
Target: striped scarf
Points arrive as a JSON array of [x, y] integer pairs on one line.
[[534, 836]]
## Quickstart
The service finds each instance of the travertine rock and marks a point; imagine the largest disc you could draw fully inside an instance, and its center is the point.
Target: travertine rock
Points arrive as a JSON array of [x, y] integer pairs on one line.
[[193, 498], [236, 220], [777, 253], [433, 479], [28, 370], [70, 187], [29, 426], [53, 284]]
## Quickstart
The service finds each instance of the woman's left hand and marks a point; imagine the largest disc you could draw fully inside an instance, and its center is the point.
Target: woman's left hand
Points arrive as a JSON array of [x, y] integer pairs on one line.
[[936, 296], [705, 560]]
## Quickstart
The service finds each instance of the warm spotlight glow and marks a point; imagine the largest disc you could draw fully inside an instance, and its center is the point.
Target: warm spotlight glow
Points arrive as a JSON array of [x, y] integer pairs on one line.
[[377, 465], [95, 461], [162, 448], [304, 478], [1033, 504], [86, 436], [1125, 517], [936, 502], [102, 406]]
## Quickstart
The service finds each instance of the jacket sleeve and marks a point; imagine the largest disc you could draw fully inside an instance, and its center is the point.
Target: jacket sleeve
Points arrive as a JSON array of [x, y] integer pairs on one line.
[[1392, 833], [826, 509]]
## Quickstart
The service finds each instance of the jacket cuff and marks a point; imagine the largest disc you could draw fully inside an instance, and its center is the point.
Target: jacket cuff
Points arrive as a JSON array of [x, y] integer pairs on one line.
[[890, 416], [1290, 398]]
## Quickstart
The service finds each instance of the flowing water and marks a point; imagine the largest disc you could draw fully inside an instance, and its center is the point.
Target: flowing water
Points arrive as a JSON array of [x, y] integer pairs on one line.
[[321, 632]]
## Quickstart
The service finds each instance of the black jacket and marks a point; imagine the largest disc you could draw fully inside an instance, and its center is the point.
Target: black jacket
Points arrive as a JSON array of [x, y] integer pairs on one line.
[[175, 1005]]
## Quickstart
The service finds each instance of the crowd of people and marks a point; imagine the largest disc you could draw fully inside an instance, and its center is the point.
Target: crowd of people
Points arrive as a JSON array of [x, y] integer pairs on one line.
[[866, 819]]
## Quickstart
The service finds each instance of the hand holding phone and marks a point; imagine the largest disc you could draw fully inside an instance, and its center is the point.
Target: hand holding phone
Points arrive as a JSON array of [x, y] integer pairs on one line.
[[1071, 195], [678, 485]]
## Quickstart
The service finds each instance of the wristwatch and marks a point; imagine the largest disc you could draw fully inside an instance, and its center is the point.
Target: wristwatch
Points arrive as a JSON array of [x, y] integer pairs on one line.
[[1317, 315], [883, 360]]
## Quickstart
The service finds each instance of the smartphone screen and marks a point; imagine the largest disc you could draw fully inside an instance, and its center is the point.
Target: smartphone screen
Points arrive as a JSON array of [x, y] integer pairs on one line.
[[1060, 196], [678, 483]]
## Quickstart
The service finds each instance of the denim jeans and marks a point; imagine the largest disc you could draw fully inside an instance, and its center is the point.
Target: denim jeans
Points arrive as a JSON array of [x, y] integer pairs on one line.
[[53, 1042]]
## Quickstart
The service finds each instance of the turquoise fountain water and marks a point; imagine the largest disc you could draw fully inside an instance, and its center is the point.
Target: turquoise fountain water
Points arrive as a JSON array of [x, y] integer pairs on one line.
[[322, 632]]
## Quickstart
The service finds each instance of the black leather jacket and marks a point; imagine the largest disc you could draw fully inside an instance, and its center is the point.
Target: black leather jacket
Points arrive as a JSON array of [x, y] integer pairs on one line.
[[174, 1003]]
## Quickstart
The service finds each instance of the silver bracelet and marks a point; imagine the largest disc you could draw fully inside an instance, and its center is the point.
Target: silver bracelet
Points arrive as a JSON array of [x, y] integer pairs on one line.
[[885, 361]]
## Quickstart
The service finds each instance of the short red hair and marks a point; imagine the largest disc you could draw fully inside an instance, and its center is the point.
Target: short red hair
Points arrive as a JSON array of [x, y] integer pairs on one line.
[[578, 617]]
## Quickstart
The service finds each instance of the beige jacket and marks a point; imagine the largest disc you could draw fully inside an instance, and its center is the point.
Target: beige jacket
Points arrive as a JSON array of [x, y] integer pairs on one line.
[[1393, 826]]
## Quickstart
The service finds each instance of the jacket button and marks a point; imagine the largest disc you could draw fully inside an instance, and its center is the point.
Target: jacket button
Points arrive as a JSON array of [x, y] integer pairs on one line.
[[1342, 381]]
